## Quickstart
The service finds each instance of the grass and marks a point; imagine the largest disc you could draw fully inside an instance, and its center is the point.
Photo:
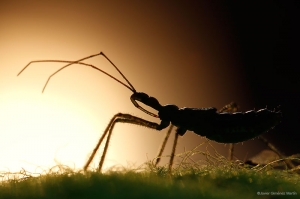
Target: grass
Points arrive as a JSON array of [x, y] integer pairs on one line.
[[218, 178]]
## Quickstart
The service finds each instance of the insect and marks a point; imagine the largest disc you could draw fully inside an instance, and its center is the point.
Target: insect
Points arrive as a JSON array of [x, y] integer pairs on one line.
[[222, 126]]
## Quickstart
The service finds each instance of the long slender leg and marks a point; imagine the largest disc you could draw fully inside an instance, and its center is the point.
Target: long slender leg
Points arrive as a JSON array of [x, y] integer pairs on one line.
[[232, 107], [279, 153], [98, 145], [164, 144], [230, 153], [124, 118], [173, 151], [106, 146]]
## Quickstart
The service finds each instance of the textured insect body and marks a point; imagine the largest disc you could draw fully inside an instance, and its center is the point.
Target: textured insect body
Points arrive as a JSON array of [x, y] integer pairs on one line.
[[239, 127], [222, 127]]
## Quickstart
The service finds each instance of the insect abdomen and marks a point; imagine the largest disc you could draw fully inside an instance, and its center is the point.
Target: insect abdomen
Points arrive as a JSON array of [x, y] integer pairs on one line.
[[239, 127]]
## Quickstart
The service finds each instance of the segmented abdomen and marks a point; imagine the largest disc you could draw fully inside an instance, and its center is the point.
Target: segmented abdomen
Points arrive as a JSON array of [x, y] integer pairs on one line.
[[239, 127]]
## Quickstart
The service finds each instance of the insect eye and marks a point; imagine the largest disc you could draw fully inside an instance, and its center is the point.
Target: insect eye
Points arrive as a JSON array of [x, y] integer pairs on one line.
[[140, 96]]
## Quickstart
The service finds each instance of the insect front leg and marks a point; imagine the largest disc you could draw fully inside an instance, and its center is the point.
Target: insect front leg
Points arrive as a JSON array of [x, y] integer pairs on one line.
[[124, 118]]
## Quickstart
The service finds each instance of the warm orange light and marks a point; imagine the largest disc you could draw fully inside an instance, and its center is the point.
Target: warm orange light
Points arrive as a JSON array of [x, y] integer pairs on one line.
[[183, 59], [39, 132]]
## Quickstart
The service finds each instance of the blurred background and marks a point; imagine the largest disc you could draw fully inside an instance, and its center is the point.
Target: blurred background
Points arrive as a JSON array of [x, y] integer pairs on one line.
[[188, 53]]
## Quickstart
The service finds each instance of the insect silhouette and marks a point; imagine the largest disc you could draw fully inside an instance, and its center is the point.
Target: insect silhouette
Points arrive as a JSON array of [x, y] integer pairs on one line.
[[224, 126]]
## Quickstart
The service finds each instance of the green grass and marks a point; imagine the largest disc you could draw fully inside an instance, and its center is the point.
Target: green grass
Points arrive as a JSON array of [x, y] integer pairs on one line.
[[229, 181], [214, 178]]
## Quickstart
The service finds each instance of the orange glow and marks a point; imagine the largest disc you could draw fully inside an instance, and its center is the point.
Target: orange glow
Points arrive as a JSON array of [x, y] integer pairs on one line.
[[183, 59], [38, 131]]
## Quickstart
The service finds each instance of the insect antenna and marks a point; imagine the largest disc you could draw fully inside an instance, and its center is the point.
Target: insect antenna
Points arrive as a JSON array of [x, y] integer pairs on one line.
[[130, 87], [133, 89]]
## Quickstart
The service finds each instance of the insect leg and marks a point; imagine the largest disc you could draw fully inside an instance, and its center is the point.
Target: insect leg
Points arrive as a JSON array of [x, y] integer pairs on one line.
[[179, 131], [98, 144], [232, 107], [173, 151], [230, 153], [279, 153], [120, 117], [164, 144]]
